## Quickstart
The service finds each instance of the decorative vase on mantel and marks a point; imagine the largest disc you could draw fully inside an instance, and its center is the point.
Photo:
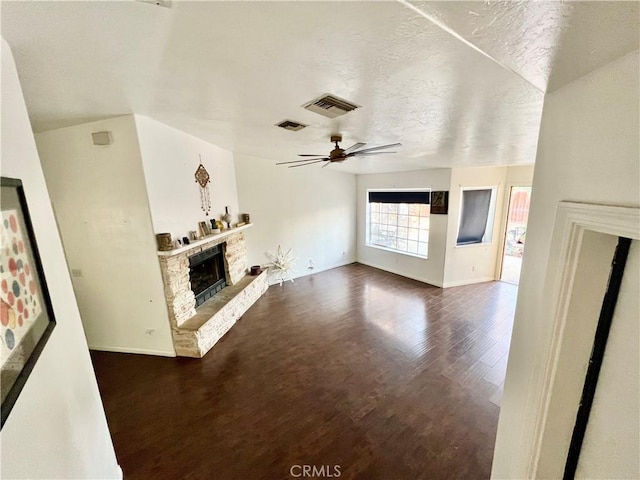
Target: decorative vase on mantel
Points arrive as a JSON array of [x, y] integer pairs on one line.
[[227, 217]]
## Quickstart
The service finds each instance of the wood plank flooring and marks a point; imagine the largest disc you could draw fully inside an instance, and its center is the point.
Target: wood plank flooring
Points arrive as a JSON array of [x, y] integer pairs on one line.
[[385, 377]]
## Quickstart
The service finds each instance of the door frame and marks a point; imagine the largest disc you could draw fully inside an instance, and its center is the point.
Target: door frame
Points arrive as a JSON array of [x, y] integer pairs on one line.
[[572, 221]]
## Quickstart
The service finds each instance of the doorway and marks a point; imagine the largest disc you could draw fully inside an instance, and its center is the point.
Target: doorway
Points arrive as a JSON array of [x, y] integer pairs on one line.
[[515, 234]]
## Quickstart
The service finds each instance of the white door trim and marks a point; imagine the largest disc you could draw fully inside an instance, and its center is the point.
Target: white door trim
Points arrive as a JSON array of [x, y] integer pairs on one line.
[[572, 221]]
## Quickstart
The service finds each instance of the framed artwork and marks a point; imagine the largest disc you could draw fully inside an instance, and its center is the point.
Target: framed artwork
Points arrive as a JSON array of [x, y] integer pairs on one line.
[[204, 229], [26, 315], [440, 203]]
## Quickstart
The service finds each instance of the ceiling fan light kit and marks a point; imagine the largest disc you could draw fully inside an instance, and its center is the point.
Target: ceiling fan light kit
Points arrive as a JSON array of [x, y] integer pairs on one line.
[[338, 155]]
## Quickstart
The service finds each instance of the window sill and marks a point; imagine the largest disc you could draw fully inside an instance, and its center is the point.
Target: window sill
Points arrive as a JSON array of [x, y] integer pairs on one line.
[[481, 244], [399, 252]]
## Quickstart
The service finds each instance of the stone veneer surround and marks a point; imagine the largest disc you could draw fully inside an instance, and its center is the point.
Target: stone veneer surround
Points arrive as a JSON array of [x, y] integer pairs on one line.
[[195, 332]]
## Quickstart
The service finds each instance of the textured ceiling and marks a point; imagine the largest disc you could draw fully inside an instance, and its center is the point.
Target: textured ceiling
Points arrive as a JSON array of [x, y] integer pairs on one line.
[[458, 83], [549, 43]]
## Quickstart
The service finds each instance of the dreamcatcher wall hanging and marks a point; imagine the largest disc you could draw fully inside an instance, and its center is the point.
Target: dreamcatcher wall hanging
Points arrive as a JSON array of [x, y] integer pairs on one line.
[[203, 179]]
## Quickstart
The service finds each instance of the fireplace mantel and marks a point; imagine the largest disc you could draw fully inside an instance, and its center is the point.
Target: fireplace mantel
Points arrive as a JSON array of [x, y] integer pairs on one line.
[[215, 238]]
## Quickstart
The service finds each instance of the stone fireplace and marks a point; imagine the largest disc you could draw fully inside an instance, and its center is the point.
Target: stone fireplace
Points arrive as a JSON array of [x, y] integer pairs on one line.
[[194, 268]]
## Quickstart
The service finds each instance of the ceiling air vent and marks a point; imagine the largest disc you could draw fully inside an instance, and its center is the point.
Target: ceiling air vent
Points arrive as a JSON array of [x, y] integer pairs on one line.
[[290, 125], [330, 106]]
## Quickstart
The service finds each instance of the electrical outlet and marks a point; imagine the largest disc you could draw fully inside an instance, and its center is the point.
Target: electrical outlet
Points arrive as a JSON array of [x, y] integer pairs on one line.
[[76, 272]]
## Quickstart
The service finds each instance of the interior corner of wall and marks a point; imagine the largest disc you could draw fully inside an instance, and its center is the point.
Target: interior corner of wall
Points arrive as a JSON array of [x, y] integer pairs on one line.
[[137, 118]]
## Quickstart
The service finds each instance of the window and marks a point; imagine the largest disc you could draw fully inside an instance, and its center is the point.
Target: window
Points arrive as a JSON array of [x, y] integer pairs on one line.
[[476, 216], [398, 220]]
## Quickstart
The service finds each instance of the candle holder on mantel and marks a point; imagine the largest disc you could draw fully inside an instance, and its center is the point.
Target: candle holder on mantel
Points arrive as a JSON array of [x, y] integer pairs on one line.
[[227, 217], [164, 242]]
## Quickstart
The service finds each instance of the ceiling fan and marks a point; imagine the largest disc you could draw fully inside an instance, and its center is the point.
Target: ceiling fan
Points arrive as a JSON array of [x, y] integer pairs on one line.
[[338, 154]]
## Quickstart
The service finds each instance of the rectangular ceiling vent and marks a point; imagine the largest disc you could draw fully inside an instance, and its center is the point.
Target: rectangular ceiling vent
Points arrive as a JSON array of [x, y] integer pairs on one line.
[[330, 106], [290, 125]]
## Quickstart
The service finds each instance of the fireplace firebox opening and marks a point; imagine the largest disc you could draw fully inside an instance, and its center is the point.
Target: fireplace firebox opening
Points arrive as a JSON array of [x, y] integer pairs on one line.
[[207, 273]]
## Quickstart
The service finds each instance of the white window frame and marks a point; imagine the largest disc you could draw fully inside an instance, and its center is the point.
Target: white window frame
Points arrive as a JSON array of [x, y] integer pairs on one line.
[[368, 222], [487, 238]]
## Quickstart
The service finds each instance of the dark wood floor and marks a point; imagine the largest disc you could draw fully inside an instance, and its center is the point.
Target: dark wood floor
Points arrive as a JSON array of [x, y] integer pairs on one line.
[[383, 376]]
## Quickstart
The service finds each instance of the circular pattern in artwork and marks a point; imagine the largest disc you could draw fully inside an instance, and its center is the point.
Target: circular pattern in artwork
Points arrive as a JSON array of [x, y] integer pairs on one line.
[[13, 267], [20, 305], [10, 339], [4, 313]]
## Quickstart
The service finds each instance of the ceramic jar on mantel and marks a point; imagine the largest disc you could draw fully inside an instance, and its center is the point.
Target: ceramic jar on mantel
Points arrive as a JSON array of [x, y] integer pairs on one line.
[[226, 218]]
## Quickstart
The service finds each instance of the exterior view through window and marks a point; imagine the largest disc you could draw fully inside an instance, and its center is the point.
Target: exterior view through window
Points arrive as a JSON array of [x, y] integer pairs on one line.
[[399, 221]]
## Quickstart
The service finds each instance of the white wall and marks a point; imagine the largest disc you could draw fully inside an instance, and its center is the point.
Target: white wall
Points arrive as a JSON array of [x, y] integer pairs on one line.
[[100, 199], [426, 270], [170, 158], [521, 175], [588, 152], [309, 209], [473, 263], [57, 428]]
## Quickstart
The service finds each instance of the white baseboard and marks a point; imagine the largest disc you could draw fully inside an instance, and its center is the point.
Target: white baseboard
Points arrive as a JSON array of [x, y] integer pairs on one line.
[[273, 281], [140, 351], [460, 283], [402, 274], [457, 283]]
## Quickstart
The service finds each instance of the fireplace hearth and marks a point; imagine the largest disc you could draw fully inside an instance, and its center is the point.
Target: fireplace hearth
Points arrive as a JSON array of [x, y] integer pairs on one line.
[[207, 273]]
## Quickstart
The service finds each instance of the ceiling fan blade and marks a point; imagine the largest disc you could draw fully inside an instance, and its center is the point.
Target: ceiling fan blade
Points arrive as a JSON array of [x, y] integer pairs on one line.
[[354, 147], [362, 154], [305, 164], [303, 160], [372, 149], [309, 155], [326, 164]]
